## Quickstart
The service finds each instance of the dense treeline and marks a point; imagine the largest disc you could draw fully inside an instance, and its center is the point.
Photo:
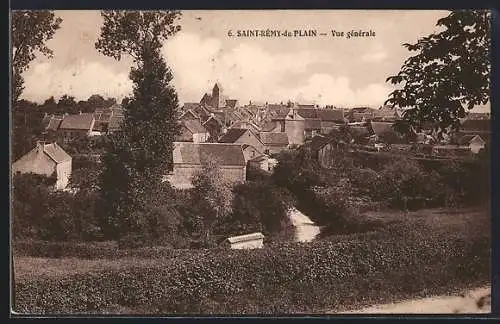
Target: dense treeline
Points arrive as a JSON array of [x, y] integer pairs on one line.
[[27, 118], [355, 184], [212, 210]]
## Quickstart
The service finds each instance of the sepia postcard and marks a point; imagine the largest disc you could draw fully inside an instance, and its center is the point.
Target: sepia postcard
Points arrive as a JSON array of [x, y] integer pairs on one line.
[[250, 162]]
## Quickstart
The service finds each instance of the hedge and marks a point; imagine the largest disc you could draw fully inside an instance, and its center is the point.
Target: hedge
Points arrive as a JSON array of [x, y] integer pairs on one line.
[[91, 250], [291, 278]]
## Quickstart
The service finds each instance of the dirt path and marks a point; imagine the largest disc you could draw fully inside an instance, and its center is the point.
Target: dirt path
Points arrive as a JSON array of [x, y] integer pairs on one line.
[[474, 302]]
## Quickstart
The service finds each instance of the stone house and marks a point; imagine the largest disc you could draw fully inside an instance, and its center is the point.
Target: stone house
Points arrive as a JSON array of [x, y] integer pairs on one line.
[[192, 131], [76, 126], [273, 126], [46, 159], [242, 136], [50, 125], [384, 132], [386, 113], [189, 158], [115, 123], [302, 124], [323, 150], [250, 152], [361, 114], [246, 125], [274, 142], [215, 127], [189, 115], [331, 119], [474, 142]]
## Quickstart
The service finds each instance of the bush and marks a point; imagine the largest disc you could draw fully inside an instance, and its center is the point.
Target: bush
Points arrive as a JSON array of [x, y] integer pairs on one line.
[[258, 206], [291, 278]]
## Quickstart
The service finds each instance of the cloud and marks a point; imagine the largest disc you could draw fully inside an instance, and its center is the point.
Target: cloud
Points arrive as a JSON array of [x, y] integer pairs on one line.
[[325, 89], [81, 80], [248, 72], [375, 55]]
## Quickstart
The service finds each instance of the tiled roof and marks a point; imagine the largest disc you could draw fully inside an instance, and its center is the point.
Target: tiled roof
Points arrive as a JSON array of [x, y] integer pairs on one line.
[[246, 124], [102, 116], [252, 109], [381, 127], [194, 126], [231, 103], [362, 110], [306, 106], [317, 142], [260, 158], [213, 119], [310, 123], [360, 130], [274, 138], [330, 114], [56, 153], [277, 111], [232, 135], [269, 126], [54, 124], [189, 114], [386, 111], [80, 121], [115, 123], [190, 105], [307, 113], [200, 153], [100, 126], [466, 139]]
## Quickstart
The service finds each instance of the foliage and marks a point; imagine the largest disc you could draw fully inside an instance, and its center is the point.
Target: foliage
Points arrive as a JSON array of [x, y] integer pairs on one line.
[[213, 195], [449, 73], [26, 127], [404, 179], [42, 213], [258, 207], [403, 261], [138, 157], [31, 29], [30, 201]]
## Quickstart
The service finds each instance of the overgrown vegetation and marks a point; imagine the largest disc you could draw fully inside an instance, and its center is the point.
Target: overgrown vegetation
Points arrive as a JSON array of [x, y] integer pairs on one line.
[[402, 260], [356, 183]]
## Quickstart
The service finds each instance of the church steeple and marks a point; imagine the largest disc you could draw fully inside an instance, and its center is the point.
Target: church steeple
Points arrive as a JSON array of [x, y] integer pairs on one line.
[[218, 100]]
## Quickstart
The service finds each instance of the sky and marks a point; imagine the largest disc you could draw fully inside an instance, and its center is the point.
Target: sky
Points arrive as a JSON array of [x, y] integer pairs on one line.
[[323, 70]]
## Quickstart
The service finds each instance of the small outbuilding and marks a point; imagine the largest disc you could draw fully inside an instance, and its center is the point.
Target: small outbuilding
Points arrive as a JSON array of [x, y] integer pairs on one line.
[[247, 241]]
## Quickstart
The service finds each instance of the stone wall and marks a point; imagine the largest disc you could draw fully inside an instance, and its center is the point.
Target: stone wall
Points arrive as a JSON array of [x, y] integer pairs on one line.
[[183, 173]]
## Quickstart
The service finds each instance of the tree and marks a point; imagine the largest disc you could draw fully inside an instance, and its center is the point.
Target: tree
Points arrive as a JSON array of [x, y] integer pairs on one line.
[[213, 195], [449, 73], [139, 156], [30, 31], [67, 104], [26, 127]]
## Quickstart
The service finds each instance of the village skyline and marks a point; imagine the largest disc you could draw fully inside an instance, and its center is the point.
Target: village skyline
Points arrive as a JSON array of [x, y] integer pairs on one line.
[[322, 71]]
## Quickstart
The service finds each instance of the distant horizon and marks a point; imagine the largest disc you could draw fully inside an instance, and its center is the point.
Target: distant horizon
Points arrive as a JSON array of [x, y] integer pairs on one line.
[[321, 70]]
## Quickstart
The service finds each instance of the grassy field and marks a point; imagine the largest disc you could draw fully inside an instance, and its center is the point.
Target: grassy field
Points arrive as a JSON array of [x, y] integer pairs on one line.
[[41, 282]]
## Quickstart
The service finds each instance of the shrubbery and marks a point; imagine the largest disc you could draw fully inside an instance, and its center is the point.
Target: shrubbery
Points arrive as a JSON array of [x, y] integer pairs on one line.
[[358, 182], [402, 262], [39, 212], [258, 206]]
